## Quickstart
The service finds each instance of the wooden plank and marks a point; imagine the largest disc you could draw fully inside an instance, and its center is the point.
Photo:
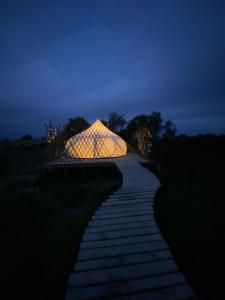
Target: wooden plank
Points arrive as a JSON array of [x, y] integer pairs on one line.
[[108, 262], [127, 208], [118, 202], [122, 204], [121, 233], [113, 227], [121, 220], [149, 212], [125, 287], [121, 273], [121, 241], [121, 250]]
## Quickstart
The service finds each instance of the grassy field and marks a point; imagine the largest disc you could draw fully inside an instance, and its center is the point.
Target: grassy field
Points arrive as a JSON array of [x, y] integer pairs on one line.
[[42, 220], [190, 211]]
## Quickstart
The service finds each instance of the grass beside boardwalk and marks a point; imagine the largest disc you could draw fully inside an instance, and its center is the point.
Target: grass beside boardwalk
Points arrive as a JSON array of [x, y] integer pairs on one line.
[[42, 221], [190, 210], [15, 159]]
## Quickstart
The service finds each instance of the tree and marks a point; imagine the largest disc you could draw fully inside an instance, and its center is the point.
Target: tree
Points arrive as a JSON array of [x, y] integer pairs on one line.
[[57, 135], [155, 124], [104, 122], [116, 122], [75, 126], [138, 133], [143, 136], [169, 130], [55, 140], [155, 127], [140, 121], [143, 132]]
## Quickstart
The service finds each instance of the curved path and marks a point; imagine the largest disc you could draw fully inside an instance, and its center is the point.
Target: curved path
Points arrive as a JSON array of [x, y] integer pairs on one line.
[[123, 255]]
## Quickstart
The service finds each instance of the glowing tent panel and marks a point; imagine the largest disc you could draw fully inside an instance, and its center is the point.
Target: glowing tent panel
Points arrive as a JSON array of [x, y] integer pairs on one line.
[[96, 142]]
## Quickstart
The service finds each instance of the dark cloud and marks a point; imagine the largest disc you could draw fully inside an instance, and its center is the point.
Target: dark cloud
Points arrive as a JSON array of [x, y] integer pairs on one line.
[[65, 58]]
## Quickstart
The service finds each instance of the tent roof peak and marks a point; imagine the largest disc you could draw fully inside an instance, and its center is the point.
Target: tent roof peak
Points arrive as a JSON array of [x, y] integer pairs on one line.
[[98, 121]]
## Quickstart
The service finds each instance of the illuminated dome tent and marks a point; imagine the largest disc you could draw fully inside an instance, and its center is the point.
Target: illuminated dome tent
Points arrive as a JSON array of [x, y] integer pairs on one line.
[[96, 142]]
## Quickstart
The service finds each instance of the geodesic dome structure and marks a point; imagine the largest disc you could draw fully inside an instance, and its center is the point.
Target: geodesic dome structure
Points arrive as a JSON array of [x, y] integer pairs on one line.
[[96, 142]]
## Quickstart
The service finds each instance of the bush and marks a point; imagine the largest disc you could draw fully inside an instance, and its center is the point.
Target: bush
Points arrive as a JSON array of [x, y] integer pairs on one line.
[[27, 137]]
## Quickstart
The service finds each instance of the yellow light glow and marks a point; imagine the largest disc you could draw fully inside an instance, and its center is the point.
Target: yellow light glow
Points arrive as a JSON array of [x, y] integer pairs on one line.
[[96, 142]]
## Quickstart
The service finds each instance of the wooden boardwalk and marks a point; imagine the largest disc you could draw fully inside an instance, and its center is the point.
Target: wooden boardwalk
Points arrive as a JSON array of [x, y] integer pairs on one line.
[[122, 255]]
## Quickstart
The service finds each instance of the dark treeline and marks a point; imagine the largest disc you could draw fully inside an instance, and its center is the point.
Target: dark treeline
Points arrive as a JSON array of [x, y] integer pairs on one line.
[[151, 136], [189, 153], [142, 133], [148, 134]]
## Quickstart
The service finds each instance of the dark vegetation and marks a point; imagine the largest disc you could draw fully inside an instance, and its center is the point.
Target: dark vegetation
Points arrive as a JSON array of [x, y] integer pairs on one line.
[[190, 208], [27, 137], [142, 133], [42, 217], [75, 126]]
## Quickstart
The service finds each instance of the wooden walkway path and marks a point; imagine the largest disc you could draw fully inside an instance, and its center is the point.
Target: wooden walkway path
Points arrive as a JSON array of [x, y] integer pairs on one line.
[[123, 255]]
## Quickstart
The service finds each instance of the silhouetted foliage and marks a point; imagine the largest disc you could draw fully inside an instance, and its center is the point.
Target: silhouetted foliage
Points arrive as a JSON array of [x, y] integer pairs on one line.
[[27, 137], [190, 207], [155, 124], [75, 126], [169, 130], [104, 122], [56, 139], [143, 132], [57, 135], [116, 122], [135, 128], [187, 149], [140, 121]]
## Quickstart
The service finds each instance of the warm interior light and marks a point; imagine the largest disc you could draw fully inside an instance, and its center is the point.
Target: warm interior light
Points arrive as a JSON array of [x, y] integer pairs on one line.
[[96, 142]]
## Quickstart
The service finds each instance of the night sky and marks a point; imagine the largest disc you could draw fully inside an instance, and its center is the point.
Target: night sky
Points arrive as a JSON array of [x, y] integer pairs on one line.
[[61, 59]]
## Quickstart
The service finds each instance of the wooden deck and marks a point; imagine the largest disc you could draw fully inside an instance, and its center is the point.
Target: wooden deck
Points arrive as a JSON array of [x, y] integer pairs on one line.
[[123, 254], [85, 162]]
